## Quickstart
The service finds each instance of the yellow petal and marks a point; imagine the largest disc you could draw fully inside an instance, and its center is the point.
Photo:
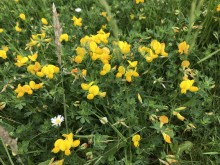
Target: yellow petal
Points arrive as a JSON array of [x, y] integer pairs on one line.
[[166, 138]]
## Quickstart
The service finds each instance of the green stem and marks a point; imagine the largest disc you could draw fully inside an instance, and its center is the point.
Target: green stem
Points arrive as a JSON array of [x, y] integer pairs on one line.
[[9, 157], [2, 161], [64, 106]]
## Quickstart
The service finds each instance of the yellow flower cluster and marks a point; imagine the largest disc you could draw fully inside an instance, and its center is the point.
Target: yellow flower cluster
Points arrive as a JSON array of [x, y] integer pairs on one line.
[[136, 138], [77, 21], [3, 52], [103, 54], [153, 52], [186, 85], [21, 90], [65, 144], [38, 39], [101, 36], [93, 90], [95, 52], [1, 30], [20, 60], [129, 72], [48, 71]]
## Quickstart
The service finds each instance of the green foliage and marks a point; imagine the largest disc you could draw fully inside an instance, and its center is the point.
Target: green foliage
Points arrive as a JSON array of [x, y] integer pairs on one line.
[[147, 100]]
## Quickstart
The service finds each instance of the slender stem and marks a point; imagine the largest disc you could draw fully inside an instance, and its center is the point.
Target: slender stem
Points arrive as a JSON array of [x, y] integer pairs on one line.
[[9, 157], [64, 107], [2, 161]]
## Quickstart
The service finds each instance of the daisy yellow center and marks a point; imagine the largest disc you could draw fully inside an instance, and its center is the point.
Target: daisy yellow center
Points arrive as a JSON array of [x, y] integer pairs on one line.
[[57, 121]]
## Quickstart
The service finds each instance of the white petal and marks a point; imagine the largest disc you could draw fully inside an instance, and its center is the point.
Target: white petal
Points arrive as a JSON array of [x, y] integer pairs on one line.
[[78, 10]]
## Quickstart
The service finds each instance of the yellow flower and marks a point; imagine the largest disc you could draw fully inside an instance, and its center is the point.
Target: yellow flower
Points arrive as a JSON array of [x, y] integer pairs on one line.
[[84, 72], [93, 46], [124, 47], [3, 54], [133, 64], [156, 46], [64, 37], [166, 138], [20, 60], [102, 94], [139, 1], [17, 28], [78, 59], [86, 86], [33, 57], [188, 85], [27, 89], [164, 119], [183, 48], [218, 8], [94, 89], [104, 14], [49, 70], [121, 71], [75, 143], [162, 51], [80, 51], [33, 85], [90, 96], [136, 144], [44, 21], [22, 16], [65, 145], [185, 64], [106, 68], [136, 138], [20, 91], [34, 68], [77, 21], [129, 74], [1, 30]]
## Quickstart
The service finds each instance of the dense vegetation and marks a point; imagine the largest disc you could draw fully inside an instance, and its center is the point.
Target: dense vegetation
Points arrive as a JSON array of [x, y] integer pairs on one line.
[[109, 82]]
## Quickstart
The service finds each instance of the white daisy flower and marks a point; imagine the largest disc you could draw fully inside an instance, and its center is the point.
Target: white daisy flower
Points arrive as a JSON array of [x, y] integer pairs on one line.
[[103, 120], [78, 10], [56, 121]]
